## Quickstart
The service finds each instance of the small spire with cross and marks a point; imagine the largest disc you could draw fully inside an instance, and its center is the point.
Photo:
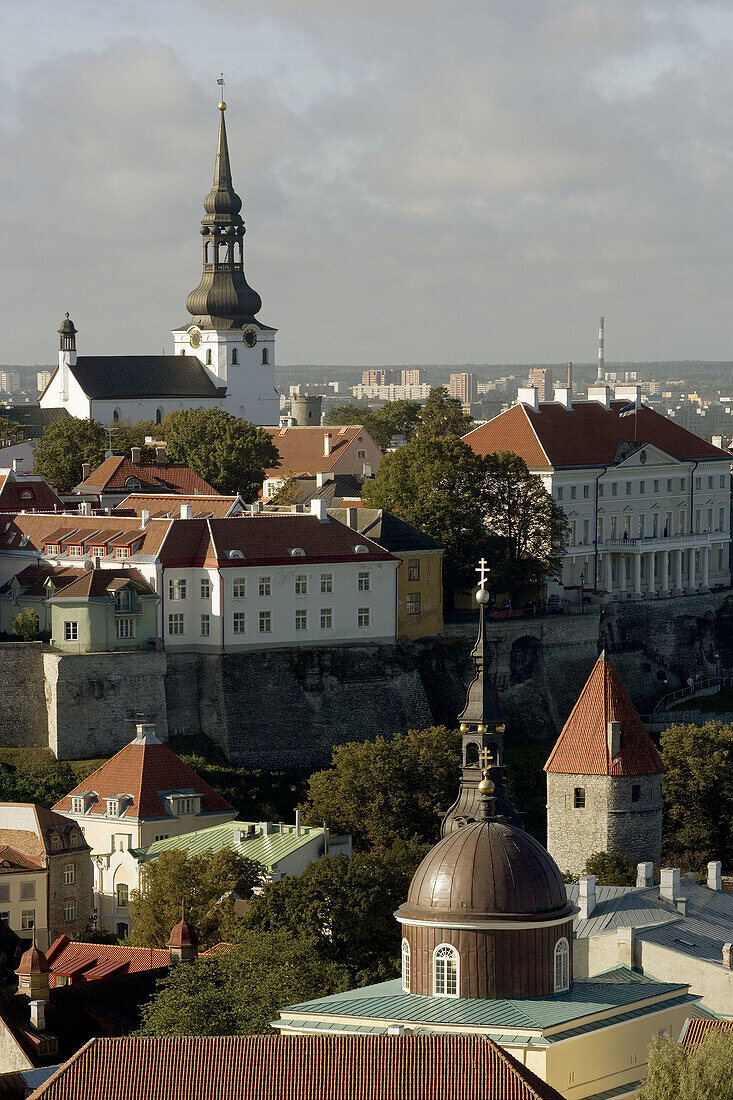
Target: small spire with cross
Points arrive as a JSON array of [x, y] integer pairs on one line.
[[483, 571], [220, 82]]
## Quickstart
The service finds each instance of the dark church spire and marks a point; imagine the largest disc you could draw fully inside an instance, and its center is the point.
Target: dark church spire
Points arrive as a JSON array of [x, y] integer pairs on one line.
[[223, 299]]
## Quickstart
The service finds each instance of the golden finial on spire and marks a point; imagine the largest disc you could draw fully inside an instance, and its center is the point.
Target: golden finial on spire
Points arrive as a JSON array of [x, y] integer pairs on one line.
[[220, 82]]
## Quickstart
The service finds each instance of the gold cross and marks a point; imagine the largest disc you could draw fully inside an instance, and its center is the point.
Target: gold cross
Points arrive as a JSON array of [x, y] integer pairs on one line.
[[486, 758]]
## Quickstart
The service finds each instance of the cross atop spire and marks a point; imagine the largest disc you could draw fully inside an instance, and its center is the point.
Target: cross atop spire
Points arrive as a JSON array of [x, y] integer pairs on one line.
[[483, 571]]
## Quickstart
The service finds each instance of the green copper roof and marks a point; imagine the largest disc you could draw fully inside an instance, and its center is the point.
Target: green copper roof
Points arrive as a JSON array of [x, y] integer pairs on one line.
[[267, 850], [620, 990]]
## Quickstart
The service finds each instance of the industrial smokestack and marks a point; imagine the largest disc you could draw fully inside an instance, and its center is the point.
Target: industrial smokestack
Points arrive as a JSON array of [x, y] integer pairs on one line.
[[570, 378], [601, 357]]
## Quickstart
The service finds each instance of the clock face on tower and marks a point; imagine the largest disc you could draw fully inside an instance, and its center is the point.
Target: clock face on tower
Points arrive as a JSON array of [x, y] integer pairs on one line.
[[250, 337], [195, 338]]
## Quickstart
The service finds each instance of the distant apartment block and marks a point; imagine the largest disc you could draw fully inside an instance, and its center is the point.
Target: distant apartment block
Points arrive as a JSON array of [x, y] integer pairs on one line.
[[540, 378], [464, 387], [392, 392], [392, 376], [42, 379], [10, 381]]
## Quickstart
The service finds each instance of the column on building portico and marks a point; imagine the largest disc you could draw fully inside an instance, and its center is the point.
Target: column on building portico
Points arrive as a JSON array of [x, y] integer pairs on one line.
[[637, 574], [678, 570], [665, 571], [705, 566], [651, 583], [692, 568]]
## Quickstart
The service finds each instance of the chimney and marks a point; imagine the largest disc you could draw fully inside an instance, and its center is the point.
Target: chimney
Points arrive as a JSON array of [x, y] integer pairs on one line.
[[714, 875], [17, 465], [528, 396], [38, 1015], [144, 518], [628, 393], [563, 397], [255, 508], [323, 476], [625, 947], [297, 822], [587, 896], [669, 887], [717, 441], [136, 453], [160, 456], [613, 736], [681, 904], [351, 518], [318, 508], [645, 874], [327, 444], [186, 511], [265, 828], [396, 1029], [727, 947], [86, 470], [601, 394], [85, 508]]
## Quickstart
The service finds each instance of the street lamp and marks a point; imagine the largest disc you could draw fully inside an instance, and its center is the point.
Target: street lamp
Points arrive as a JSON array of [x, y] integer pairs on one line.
[[582, 592]]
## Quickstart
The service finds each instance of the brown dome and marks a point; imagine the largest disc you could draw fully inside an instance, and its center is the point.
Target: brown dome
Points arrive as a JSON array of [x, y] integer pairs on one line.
[[33, 961], [183, 934], [484, 871]]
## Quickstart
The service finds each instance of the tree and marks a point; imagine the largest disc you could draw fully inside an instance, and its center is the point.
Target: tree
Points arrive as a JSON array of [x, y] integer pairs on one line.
[[698, 793], [231, 454], [25, 625], [610, 869], [346, 414], [439, 485], [203, 882], [346, 907], [242, 991], [393, 418], [442, 415], [64, 446], [703, 1073], [125, 436], [288, 491], [384, 790], [528, 524]]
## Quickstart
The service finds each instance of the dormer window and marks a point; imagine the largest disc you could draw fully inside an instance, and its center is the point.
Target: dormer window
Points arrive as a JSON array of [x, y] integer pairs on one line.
[[77, 805], [296, 551], [98, 551], [74, 551], [133, 483], [122, 551], [26, 495], [360, 548], [52, 548], [235, 553], [74, 839], [113, 807]]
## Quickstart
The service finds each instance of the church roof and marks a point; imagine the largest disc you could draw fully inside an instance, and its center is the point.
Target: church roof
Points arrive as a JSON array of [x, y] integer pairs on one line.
[[583, 745], [121, 377]]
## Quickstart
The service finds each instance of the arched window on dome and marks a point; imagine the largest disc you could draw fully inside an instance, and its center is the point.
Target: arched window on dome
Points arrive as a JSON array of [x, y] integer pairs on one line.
[[562, 966], [445, 971], [405, 967]]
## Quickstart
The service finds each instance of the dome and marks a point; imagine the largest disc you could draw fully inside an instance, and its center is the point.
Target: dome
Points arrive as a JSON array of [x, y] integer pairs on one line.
[[183, 935], [33, 961], [484, 871]]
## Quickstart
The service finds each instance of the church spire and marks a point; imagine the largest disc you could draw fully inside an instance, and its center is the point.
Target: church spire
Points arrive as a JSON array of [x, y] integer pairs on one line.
[[223, 299]]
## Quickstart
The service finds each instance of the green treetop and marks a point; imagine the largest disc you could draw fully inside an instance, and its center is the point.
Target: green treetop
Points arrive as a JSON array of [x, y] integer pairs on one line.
[[231, 454], [698, 794], [705, 1073], [442, 415], [64, 446]]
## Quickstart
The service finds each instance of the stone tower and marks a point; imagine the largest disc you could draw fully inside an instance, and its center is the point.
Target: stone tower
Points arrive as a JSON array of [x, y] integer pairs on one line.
[[482, 742], [604, 779]]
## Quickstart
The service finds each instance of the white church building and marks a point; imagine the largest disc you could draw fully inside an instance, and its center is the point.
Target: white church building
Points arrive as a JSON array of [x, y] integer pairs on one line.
[[223, 356]]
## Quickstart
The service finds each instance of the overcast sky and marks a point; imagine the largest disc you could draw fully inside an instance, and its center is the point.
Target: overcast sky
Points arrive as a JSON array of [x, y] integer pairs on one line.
[[437, 181]]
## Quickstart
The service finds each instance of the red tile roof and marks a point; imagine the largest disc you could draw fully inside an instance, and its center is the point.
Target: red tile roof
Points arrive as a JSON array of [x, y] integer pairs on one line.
[[173, 477], [586, 435], [92, 961], [98, 582], [582, 747], [13, 860], [301, 449], [298, 1067], [31, 533], [27, 494], [696, 1031], [142, 769], [169, 505]]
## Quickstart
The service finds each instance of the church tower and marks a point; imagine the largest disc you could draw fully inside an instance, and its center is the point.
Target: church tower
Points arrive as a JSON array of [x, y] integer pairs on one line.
[[237, 350], [604, 779]]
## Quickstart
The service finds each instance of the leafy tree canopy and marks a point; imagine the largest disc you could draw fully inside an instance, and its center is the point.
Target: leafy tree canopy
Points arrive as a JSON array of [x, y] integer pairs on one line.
[[698, 794], [346, 907], [241, 992], [705, 1073], [610, 869], [25, 624], [204, 882], [384, 790], [393, 418], [64, 446], [231, 454], [442, 415]]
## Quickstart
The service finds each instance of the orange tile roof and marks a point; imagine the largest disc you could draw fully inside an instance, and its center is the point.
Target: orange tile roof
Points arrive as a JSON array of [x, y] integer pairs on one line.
[[301, 449], [169, 504], [297, 1067], [174, 477], [41, 529], [27, 494], [697, 1030], [93, 961], [13, 860], [142, 769], [582, 747], [586, 435]]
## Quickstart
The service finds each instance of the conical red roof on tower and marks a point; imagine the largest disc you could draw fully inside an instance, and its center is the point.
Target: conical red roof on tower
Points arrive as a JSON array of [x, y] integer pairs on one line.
[[584, 746]]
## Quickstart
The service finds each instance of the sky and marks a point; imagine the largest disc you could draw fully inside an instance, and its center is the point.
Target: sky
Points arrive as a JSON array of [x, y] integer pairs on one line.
[[424, 181]]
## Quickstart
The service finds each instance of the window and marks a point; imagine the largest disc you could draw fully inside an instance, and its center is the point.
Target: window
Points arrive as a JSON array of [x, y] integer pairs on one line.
[[5, 918], [113, 807], [361, 455], [636, 792], [27, 919], [571, 533], [205, 589], [683, 484], [122, 551], [4, 893], [656, 485], [55, 845], [721, 519], [697, 482], [301, 584], [562, 965], [572, 492], [239, 588], [579, 798], [559, 492], [27, 891], [52, 548], [363, 617], [71, 631], [326, 582], [132, 483], [209, 359], [614, 488], [121, 928], [125, 628], [413, 603], [77, 805], [158, 416], [123, 894], [123, 600], [445, 971], [240, 622], [586, 492], [326, 618], [413, 569], [69, 911], [405, 967], [177, 589], [362, 583], [265, 357], [235, 357], [642, 487], [265, 587], [600, 488], [265, 622], [205, 626], [669, 484], [74, 551], [69, 874], [722, 481], [301, 620], [175, 624], [161, 836], [98, 551], [74, 839], [628, 488]]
